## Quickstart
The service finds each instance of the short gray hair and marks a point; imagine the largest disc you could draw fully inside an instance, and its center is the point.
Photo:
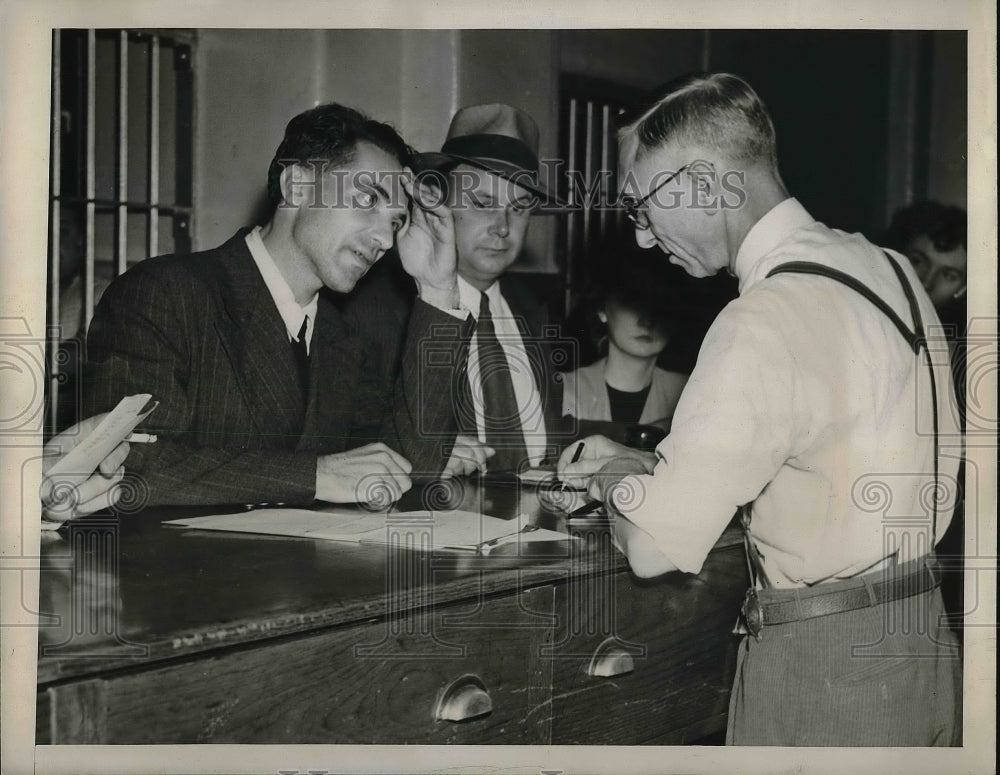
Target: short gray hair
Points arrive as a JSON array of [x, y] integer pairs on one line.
[[718, 111]]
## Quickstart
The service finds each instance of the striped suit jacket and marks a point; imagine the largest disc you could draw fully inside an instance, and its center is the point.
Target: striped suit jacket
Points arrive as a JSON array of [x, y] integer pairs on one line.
[[203, 335]]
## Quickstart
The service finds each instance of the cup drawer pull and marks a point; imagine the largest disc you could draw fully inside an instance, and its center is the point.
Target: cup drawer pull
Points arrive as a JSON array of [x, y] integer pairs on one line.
[[610, 659], [463, 699]]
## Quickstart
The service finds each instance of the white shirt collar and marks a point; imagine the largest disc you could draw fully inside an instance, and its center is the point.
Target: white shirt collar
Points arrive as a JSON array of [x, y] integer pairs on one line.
[[470, 296], [779, 222], [280, 291]]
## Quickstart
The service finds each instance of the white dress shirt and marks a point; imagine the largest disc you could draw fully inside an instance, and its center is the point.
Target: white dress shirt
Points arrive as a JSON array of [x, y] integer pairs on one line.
[[529, 402], [807, 401], [289, 309]]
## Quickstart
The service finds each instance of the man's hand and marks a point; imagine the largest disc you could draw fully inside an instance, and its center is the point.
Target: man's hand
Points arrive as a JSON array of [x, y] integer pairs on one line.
[[467, 456], [427, 245], [602, 464], [373, 475], [69, 495]]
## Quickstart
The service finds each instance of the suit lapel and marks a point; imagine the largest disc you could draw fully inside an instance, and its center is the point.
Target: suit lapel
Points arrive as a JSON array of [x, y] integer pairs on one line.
[[254, 337]]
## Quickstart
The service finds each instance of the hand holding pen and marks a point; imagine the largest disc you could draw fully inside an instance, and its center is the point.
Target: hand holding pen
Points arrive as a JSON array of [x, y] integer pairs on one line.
[[578, 466]]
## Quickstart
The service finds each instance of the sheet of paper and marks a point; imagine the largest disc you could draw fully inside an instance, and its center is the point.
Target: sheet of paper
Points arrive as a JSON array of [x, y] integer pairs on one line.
[[84, 458], [430, 529]]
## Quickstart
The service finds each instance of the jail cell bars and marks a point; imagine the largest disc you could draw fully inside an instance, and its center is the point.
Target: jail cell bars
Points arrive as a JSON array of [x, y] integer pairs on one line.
[[121, 177], [588, 143]]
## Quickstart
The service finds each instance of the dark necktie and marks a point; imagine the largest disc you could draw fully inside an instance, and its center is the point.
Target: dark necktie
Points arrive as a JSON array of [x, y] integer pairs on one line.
[[500, 413], [302, 358]]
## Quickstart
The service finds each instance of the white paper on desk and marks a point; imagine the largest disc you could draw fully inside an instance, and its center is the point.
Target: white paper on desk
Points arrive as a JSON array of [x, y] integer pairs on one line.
[[84, 458], [430, 529]]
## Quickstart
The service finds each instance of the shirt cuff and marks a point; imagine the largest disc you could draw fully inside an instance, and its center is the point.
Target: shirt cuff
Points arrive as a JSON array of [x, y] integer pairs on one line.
[[446, 301]]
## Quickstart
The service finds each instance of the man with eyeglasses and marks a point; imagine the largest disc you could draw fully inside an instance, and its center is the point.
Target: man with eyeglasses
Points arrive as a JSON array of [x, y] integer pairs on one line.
[[815, 408], [266, 392]]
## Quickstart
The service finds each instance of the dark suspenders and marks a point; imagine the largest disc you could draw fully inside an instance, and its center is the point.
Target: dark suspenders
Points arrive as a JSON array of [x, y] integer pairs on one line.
[[916, 339]]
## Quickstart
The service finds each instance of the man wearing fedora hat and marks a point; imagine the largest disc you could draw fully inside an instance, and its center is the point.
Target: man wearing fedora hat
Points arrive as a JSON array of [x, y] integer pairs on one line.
[[487, 175]]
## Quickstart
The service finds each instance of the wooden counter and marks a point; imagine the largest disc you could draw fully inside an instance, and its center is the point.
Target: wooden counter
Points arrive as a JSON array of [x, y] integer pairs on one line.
[[163, 634]]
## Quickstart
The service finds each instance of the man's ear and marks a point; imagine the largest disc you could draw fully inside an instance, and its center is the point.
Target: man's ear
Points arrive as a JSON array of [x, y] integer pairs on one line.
[[704, 186], [602, 316], [297, 182]]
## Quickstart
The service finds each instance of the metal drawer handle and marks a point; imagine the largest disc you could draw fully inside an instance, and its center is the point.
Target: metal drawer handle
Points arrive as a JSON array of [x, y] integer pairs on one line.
[[610, 659], [463, 699]]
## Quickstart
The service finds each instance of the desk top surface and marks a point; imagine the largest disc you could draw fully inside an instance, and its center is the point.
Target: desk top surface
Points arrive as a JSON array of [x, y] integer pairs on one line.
[[128, 590]]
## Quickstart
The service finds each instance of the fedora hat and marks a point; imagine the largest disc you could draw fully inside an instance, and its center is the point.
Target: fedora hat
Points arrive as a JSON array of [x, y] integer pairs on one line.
[[497, 138]]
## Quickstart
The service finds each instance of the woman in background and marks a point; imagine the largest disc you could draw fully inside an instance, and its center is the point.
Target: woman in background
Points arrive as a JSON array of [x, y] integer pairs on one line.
[[625, 385]]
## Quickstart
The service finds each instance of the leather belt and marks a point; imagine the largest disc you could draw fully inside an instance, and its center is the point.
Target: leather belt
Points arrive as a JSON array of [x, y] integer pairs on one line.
[[863, 592]]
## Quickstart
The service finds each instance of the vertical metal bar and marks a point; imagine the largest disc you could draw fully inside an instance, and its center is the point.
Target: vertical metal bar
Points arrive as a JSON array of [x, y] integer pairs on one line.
[[88, 271], [183, 150], [154, 145], [588, 163], [605, 168], [571, 216], [55, 169], [121, 138]]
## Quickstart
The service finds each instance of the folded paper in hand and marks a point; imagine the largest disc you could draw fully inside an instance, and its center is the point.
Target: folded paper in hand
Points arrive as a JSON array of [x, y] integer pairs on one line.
[[84, 458], [437, 529]]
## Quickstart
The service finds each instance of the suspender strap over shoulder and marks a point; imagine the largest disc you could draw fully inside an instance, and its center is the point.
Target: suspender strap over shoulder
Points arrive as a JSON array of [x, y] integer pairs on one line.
[[913, 338], [916, 339]]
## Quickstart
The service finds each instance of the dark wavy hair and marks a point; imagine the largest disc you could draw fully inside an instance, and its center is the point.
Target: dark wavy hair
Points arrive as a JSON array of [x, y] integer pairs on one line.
[[330, 133], [945, 226]]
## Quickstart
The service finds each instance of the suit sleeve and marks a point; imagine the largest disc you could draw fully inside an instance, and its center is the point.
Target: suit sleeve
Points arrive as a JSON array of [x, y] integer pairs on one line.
[[421, 416], [143, 340]]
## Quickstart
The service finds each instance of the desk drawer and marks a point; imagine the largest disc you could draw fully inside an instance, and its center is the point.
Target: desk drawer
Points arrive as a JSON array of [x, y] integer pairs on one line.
[[677, 630], [377, 682]]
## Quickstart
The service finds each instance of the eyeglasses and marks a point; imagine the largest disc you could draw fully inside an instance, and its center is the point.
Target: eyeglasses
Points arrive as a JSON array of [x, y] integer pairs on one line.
[[633, 207]]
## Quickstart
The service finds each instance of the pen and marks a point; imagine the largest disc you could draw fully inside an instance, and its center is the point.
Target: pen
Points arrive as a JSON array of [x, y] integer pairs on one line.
[[140, 438], [584, 510], [579, 451]]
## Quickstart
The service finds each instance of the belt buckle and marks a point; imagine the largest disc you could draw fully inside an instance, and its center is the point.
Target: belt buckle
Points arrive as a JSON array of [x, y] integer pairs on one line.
[[753, 613]]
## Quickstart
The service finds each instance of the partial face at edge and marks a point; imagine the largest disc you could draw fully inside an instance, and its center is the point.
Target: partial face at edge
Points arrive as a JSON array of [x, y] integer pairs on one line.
[[942, 273]]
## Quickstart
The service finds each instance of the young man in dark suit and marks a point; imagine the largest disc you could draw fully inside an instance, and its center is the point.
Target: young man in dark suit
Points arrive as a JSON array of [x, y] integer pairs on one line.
[[504, 389], [266, 393]]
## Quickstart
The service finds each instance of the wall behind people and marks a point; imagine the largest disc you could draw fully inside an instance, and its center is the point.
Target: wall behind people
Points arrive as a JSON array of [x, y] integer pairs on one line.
[[250, 81], [948, 141]]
